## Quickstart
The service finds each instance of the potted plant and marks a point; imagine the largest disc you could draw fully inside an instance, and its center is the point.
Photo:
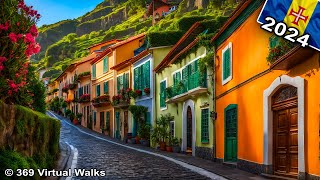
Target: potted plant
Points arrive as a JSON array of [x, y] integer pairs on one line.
[[160, 132], [170, 144], [72, 116], [176, 145], [146, 91], [144, 133], [79, 117]]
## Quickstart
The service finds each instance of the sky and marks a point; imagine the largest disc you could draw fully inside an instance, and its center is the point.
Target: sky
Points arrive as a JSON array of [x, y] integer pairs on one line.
[[56, 10]]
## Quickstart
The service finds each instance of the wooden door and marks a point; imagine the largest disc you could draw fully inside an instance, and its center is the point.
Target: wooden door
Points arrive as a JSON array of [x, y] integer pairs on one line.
[[231, 140], [125, 123], [285, 132], [286, 142], [189, 128]]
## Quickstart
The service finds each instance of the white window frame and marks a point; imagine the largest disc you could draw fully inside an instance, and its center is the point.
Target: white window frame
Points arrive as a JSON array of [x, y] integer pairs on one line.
[[229, 46], [163, 108], [208, 124]]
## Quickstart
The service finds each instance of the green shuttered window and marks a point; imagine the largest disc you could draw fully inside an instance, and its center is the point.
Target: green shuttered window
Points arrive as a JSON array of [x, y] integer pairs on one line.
[[142, 76], [163, 86], [106, 87], [105, 64], [227, 64], [123, 82], [108, 120], [205, 125], [93, 71], [98, 90]]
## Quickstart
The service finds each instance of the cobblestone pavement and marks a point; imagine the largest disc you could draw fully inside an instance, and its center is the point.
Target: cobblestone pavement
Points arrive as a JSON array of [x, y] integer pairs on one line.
[[120, 162]]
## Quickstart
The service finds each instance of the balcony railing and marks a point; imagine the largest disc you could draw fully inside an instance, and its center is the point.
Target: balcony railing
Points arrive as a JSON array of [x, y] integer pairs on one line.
[[195, 80]]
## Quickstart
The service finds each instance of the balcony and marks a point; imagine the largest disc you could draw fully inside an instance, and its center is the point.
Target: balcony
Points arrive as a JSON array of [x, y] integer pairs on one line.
[[84, 75], [194, 85], [101, 101]]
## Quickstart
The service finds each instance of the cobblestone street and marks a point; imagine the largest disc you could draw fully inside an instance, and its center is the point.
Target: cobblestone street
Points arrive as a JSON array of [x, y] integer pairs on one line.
[[120, 162]]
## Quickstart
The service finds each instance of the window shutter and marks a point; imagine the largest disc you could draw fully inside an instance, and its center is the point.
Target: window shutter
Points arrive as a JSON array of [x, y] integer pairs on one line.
[[118, 84], [136, 78], [94, 71], [147, 74], [185, 73], [126, 81], [105, 64], [106, 87], [205, 125], [226, 64], [163, 94], [196, 65], [94, 118], [98, 90]]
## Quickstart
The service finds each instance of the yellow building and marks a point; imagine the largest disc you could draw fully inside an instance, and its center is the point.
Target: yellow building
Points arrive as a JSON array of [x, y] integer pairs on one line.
[[104, 80]]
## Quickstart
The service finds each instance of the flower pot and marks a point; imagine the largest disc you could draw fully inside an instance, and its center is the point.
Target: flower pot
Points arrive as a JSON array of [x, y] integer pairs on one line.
[[75, 121], [176, 149], [169, 148], [137, 140], [162, 146]]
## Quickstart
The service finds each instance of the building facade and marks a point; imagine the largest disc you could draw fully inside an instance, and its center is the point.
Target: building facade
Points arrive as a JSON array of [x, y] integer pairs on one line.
[[267, 112], [184, 91]]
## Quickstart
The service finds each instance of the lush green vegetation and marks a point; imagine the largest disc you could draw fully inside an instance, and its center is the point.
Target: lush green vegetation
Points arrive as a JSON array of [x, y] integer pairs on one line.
[[43, 133], [169, 29]]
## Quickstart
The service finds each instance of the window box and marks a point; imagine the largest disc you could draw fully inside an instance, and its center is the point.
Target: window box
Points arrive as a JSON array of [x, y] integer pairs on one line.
[[291, 57]]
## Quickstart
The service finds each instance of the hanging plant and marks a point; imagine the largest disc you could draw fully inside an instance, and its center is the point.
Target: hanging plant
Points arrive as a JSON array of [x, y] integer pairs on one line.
[[206, 62], [279, 50]]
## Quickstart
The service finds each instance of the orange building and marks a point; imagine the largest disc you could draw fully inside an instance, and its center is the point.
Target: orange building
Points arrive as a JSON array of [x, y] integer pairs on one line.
[[104, 87], [268, 113]]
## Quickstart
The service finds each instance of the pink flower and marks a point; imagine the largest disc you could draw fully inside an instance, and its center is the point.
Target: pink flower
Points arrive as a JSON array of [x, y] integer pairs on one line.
[[34, 30], [13, 37], [36, 49], [2, 59], [19, 36], [5, 26], [1, 67], [29, 38], [10, 92]]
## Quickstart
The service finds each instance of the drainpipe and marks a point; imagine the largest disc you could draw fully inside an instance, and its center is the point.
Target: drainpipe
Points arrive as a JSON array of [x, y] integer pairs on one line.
[[214, 105]]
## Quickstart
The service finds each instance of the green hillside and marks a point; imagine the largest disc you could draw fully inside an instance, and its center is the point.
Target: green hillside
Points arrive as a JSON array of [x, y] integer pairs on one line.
[[127, 19]]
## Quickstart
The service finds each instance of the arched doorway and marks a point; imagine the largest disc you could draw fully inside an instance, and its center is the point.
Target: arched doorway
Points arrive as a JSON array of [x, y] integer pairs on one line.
[[189, 130], [285, 134], [269, 95]]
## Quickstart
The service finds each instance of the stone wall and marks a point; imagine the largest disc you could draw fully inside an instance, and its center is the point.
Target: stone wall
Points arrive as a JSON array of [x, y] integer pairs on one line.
[[28, 132]]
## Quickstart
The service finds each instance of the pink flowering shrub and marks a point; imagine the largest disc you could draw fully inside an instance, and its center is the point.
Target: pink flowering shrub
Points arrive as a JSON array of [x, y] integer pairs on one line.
[[17, 41]]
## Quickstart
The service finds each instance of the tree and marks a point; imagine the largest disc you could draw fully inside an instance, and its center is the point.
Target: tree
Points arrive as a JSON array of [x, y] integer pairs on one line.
[[17, 41]]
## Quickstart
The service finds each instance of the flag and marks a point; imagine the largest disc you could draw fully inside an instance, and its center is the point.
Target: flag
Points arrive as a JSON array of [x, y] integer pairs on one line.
[[301, 14]]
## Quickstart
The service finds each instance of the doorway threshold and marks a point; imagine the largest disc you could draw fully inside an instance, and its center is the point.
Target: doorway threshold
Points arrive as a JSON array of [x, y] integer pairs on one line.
[[272, 176], [230, 164]]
